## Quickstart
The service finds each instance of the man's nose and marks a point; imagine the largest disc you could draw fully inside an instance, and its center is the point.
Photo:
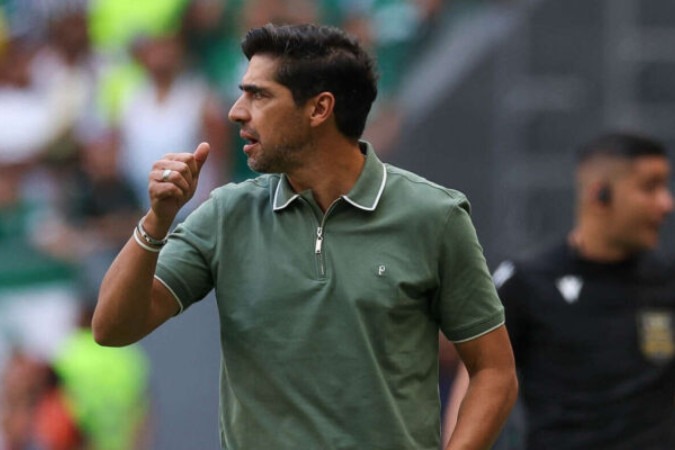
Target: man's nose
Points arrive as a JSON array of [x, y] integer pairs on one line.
[[238, 113], [667, 201]]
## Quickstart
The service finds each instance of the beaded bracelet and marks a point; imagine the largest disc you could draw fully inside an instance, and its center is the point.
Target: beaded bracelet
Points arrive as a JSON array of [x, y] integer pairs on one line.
[[143, 244], [149, 239]]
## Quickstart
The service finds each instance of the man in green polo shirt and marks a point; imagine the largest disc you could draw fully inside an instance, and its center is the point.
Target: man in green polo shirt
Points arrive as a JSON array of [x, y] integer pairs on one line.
[[333, 272]]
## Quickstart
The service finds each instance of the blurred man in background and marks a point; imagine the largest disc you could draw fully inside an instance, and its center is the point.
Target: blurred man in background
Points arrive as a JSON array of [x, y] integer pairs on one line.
[[592, 318]]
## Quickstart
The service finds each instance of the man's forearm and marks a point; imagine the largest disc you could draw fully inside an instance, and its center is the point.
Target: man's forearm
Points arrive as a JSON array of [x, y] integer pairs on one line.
[[484, 410], [123, 311]]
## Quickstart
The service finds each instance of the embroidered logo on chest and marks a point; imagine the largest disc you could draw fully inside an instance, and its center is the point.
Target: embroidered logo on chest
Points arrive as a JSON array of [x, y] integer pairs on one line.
[[569, 287]]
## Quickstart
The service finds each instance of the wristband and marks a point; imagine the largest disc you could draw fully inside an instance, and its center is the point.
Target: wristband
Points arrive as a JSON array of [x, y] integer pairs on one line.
[[143, 244], [149, 239]]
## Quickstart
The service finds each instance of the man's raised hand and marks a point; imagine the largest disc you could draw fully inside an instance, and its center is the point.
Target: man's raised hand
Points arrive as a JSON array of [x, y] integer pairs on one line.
[[172, 182]]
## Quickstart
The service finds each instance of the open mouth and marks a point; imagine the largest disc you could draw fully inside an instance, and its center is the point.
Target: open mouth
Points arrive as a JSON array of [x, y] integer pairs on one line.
[[251, 140]]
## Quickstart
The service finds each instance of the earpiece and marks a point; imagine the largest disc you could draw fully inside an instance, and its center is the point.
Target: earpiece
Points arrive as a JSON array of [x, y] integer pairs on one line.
[[605, 195]]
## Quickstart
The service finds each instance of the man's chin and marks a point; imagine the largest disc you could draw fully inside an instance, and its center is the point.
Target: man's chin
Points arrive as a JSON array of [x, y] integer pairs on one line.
[[257, 167], [649, 242]]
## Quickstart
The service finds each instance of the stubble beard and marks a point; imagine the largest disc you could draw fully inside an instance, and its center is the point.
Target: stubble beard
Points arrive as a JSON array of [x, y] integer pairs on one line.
[[283, 158]]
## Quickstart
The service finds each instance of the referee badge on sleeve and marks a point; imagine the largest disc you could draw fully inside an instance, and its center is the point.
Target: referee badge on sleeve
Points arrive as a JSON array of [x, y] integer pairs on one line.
[[657, 334]]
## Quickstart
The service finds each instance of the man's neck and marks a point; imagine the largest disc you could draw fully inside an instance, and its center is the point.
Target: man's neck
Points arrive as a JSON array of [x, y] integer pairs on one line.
[[331, 173]]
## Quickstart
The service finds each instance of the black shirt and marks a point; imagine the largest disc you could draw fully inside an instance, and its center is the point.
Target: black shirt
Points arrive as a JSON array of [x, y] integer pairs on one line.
[[595, 349]]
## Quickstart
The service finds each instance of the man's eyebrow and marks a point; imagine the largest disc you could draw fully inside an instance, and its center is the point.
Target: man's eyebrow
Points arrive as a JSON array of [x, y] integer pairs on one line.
[[251, 88]]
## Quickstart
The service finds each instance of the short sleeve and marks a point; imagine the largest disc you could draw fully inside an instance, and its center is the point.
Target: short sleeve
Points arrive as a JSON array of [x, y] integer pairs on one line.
[[185, 264], [467, 303]]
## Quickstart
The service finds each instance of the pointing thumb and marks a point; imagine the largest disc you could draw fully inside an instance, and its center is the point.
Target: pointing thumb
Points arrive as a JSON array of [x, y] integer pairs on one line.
[[201, 153]]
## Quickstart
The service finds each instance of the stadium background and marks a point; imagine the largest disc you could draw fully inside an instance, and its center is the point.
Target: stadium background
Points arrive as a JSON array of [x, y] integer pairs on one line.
[[489, 97]]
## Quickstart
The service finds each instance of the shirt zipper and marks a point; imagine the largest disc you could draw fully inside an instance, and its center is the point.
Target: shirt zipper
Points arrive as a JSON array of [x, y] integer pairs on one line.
[[317, 250], [318, 244]]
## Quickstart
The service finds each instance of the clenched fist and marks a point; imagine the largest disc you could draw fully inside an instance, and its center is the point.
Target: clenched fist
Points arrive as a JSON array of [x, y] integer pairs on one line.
[[172, 182]]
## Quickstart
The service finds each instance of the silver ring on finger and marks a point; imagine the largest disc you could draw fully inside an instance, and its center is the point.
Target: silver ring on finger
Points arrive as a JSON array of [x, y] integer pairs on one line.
[[166, 173]]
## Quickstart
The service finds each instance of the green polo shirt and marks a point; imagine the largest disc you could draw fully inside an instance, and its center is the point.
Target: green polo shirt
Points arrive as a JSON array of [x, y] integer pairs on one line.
[[329, 322]]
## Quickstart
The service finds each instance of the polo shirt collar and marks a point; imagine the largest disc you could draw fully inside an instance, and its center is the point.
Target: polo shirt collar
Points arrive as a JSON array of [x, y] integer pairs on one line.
[[365, 194]]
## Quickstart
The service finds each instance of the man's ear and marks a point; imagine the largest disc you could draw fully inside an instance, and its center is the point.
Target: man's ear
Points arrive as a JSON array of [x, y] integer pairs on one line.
[[321, 108], [604, 194], [601, 194]]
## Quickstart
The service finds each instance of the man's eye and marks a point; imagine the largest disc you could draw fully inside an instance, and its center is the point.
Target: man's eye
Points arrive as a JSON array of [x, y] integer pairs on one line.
[[256, 95], [653, 186]]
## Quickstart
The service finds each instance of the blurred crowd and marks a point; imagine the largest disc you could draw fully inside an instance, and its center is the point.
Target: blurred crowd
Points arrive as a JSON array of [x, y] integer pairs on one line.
[[91, 93]]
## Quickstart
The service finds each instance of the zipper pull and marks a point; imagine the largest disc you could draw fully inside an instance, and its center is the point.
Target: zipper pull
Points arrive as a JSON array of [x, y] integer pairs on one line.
[[319, 240]]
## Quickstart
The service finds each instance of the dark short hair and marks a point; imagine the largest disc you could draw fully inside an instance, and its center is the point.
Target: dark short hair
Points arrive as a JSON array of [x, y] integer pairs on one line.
[[319, 58], [623, 145]]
